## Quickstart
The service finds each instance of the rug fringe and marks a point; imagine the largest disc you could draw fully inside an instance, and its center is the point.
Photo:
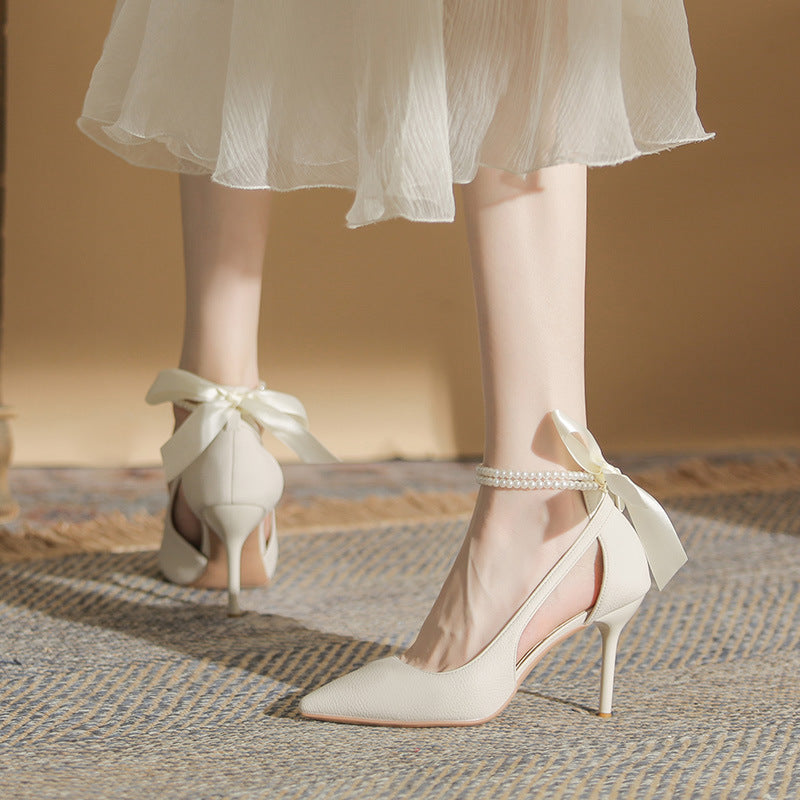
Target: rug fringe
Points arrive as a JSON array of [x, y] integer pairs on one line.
[[117, 533], [326, 513], [696, 477], [111, 533]]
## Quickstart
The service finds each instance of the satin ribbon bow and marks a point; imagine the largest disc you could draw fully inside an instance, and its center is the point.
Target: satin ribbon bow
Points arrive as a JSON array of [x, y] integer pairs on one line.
[[281, 414], [663, 548]]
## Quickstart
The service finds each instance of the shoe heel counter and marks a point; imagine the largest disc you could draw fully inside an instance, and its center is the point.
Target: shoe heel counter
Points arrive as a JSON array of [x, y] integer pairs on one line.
[[256, 476], [626, 573], [235, 469]]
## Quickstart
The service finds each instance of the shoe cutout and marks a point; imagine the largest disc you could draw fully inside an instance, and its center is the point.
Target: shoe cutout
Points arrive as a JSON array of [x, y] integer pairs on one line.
[[392, 692], [230, 481]]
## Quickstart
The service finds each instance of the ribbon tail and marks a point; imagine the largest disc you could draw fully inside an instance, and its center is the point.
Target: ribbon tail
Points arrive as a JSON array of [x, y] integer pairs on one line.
[[304, 443], [196, 433], [176, 384], [579, 441], [663, 548], [293, 431], [284, 416]]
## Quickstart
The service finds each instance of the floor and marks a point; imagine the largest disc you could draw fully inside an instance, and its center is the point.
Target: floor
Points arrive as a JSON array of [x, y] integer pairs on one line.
[[48, 495]]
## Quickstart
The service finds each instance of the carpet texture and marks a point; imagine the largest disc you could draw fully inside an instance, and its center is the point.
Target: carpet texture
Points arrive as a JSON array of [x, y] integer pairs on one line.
[[119, 510], [114, 683]]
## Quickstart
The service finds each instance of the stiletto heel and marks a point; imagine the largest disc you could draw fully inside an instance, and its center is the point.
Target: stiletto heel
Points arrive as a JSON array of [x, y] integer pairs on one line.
[[233, 524], [611, 626], [230, 481], [392, 692]]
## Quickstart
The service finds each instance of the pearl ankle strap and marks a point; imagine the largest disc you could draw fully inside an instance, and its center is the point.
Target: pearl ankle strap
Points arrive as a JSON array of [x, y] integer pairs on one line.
[[515, 479]]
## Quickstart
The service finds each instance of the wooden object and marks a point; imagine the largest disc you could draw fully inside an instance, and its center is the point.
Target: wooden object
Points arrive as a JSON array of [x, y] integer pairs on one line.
[[8, 508]]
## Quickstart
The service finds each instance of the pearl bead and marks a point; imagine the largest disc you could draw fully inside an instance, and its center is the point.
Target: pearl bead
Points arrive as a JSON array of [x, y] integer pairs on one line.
[[547, 479]]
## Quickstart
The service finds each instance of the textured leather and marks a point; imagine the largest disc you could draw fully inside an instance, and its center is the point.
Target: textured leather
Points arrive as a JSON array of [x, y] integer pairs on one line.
[[178, 560], [626, 577], [390, 691], [234, 469], [229, 479]]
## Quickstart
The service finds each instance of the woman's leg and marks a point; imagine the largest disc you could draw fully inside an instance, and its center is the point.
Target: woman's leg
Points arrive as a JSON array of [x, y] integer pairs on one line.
[[527, 243], [224, 239]]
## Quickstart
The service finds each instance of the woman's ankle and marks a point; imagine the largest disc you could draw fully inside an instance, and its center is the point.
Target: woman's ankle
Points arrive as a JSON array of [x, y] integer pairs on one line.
[[534, 446], [542, 513], [223, 372]]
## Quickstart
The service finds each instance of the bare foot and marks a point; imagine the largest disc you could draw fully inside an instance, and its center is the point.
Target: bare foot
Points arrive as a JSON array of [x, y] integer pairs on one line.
[[513, 540]]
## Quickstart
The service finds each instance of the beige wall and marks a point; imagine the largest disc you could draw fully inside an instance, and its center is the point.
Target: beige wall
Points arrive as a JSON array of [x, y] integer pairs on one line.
[[693, 286]]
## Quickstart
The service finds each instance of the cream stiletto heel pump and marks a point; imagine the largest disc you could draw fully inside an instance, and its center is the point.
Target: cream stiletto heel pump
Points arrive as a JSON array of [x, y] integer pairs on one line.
[[391, 692], [230, 481]]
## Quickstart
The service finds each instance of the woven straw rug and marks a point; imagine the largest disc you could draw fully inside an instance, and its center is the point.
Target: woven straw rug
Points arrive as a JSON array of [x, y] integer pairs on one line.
[[114, 683]]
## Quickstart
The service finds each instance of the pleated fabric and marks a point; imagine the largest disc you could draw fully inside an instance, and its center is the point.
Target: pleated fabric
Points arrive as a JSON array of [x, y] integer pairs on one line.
[[394, 99]]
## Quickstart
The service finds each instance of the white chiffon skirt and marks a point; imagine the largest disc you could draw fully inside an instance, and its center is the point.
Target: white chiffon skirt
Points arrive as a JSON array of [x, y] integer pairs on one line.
[[394, 99]]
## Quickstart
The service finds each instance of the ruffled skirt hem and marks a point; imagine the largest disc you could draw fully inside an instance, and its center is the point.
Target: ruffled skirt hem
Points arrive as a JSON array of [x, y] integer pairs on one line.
[[395, 102]]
